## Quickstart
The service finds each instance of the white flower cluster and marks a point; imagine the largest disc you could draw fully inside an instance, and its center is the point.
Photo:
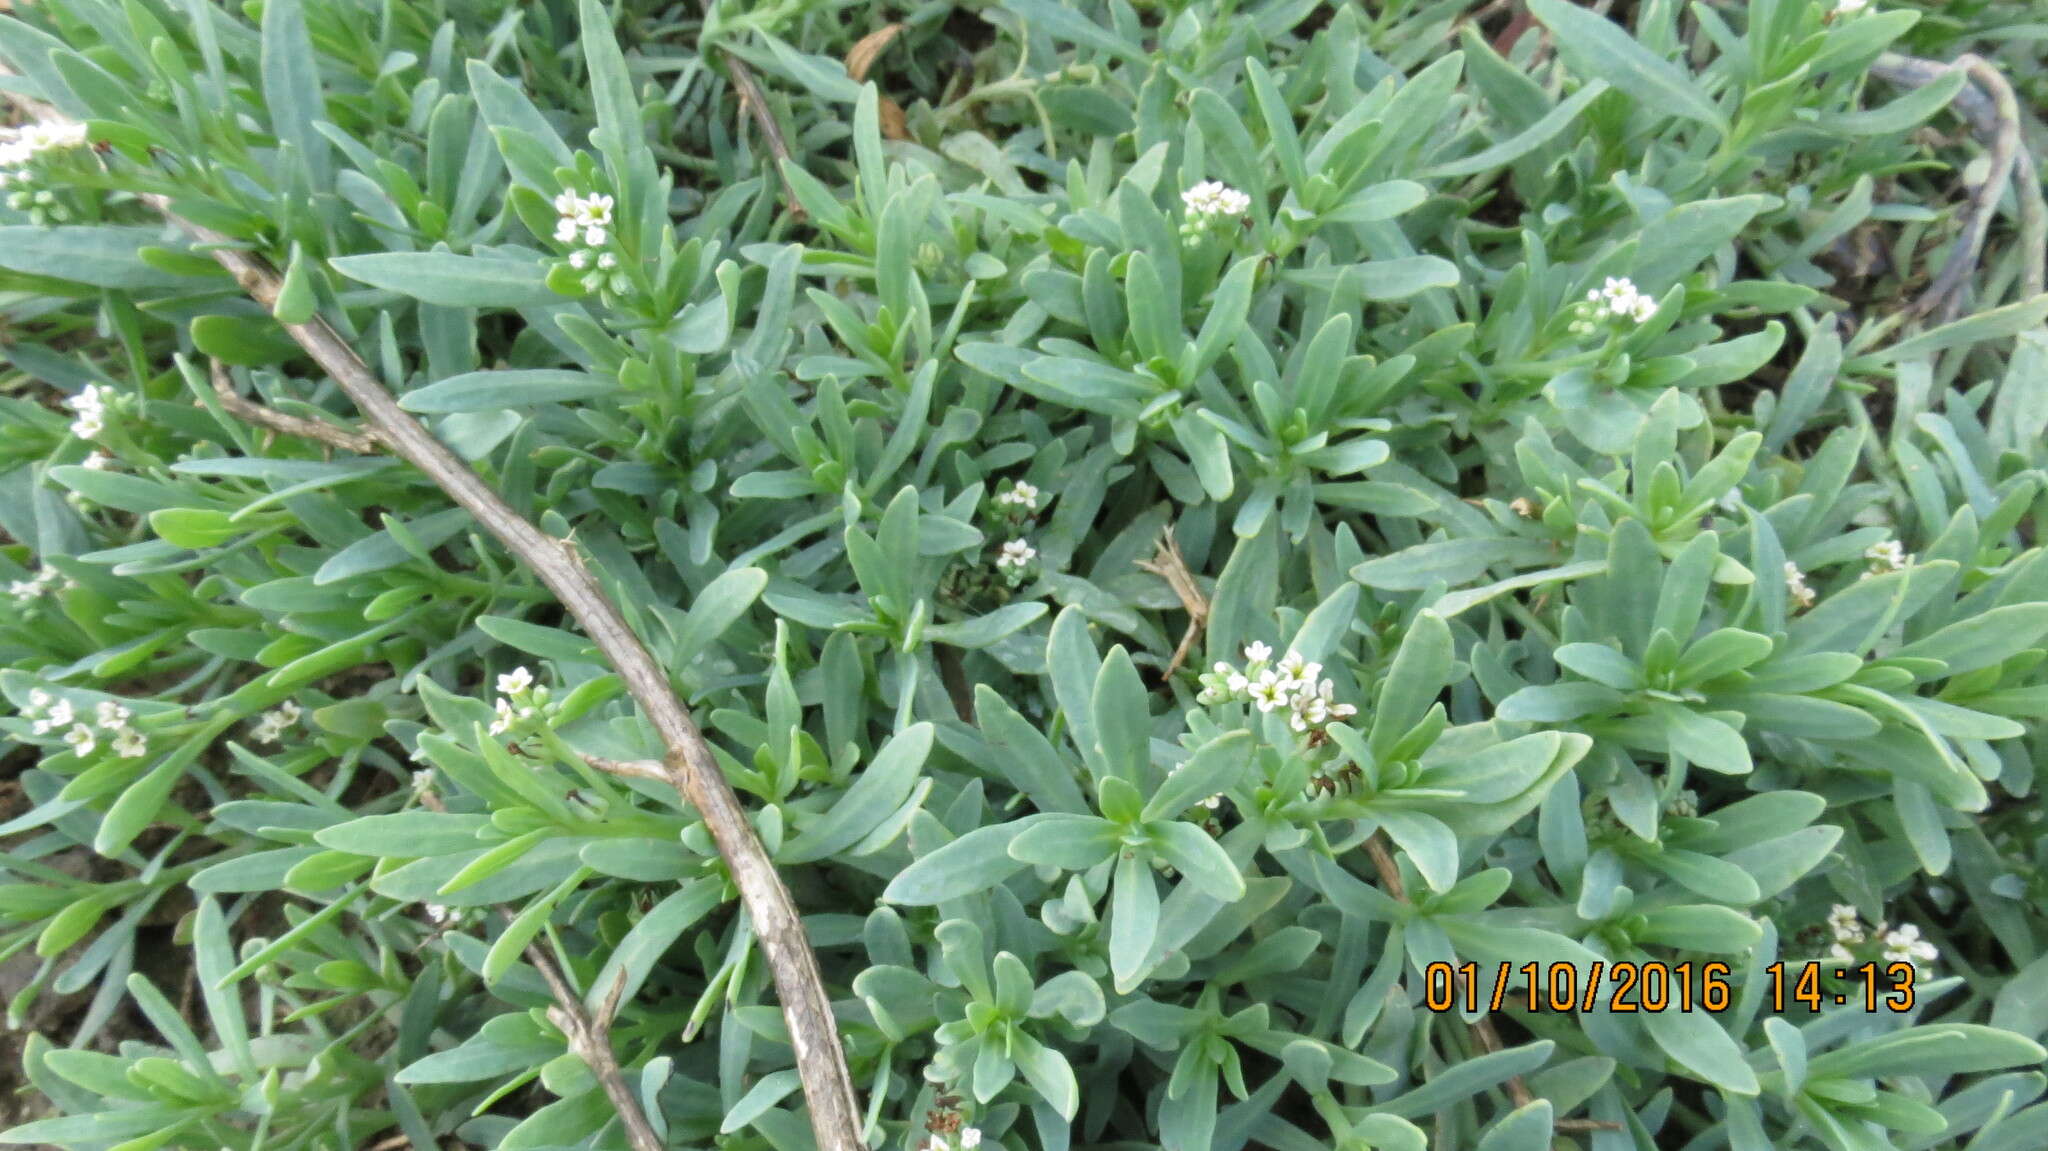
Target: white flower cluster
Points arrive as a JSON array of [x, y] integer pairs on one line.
[[20, 146], [1211, 202], [1885, 556], [109, 719], [1902, 944], [1019, 495], [1795, 585], [20, 149], [1293, 684], [46, 580], [440, 914], [970, 1138], [271, 725], [1011, 512], [520, 702], [91, 406], [1617, 299], [1905, 946], [586, 222]]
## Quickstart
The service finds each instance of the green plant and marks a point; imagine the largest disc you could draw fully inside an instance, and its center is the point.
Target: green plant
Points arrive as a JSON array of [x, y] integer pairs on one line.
[[1600, 475]]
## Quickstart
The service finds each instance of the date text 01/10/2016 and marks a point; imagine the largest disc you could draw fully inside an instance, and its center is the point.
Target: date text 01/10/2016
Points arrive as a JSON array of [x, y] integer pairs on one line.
[[1624, 987]]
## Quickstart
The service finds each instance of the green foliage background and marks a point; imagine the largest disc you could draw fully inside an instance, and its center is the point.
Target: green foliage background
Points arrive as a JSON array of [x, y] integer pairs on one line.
[[1544, 554]]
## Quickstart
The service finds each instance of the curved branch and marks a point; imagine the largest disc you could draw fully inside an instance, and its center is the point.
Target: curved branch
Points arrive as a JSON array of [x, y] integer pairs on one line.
[[1988, 105], [689, 764]]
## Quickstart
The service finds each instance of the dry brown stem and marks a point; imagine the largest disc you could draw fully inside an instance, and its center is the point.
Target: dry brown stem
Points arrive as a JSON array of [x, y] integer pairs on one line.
[[1481, 1029], [1988, 105], [1170, 566]]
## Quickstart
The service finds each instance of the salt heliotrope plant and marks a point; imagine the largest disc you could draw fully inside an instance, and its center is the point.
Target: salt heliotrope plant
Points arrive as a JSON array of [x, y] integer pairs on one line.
[[1597, 462]]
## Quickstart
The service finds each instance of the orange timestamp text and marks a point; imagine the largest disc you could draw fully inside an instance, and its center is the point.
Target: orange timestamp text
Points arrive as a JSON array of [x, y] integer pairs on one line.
[[1623, 987], [1619, 987]]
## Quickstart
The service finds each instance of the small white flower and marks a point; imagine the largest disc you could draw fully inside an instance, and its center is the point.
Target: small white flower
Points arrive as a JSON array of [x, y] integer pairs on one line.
[[422, 782], [81, 740], [97, 462], [1795, 584], [1617, 298], [1837, 951], [515, 682], [271, 725], [1269, 691], [111, 715], [1887, 555], [1906, 946], [91, 406], [937, 1143], [1021, 495], [607, 261], [1237, 683], [59, 716], [584, 216], [1850, 7], [970, 1138], [130, 744], [39, 700], [1213, 802], [1257, 653], [1016, 554], [1845, 925], [594, 210], [439, 913], [1213, 198], [579, 259], [1310, 710], [506, 717]]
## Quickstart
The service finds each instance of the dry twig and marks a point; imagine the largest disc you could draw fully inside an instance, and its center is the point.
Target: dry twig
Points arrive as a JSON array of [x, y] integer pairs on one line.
[[1170, 566], [590, 1037], [689, 764], [633, 768], [749, 92], [1988, 105], [249, 411], [1481, 1029]]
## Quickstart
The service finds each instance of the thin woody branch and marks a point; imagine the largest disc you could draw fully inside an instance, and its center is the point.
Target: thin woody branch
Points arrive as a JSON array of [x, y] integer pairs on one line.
[[1988, 105], [688, 764], [1481, 1029], [1170, 566], [590, 1036], [249, 411], [632, 768], [756, 105]]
